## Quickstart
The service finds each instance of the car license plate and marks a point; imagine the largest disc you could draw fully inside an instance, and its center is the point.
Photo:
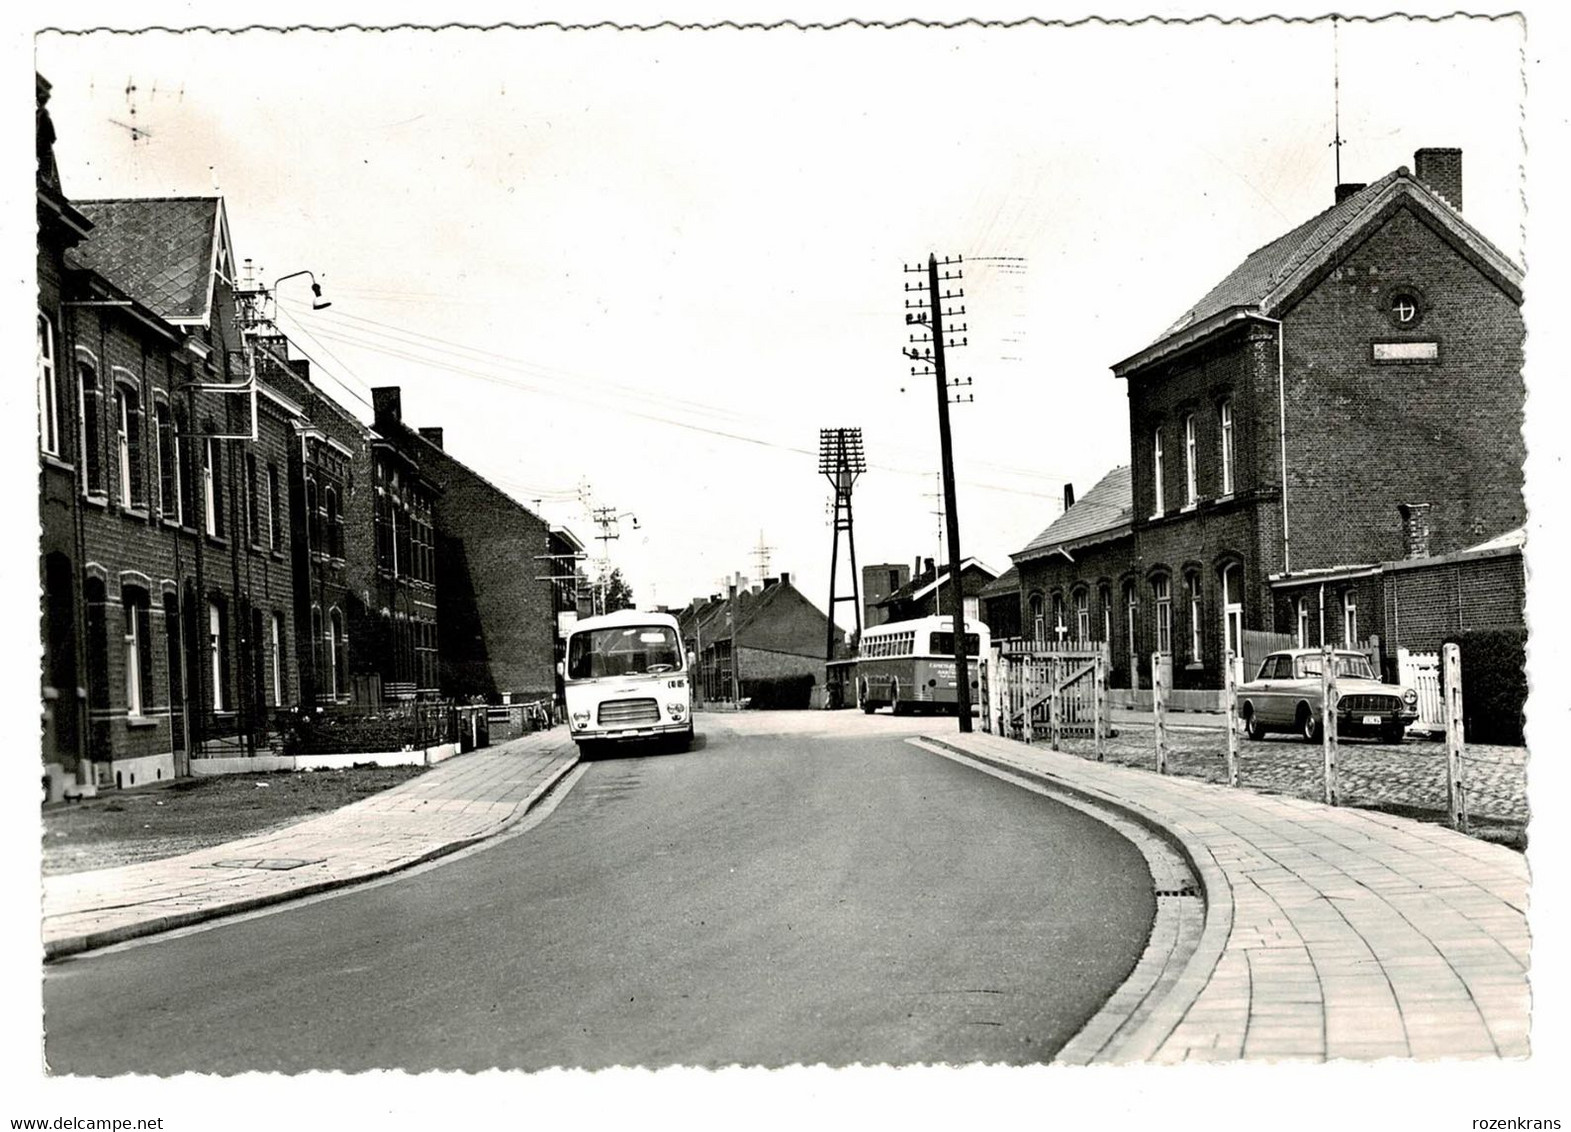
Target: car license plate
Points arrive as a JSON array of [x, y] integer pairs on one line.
[[1372, 720]]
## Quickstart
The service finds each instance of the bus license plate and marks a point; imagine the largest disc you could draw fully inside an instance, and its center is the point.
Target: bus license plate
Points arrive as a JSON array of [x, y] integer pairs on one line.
[[1372, 720]]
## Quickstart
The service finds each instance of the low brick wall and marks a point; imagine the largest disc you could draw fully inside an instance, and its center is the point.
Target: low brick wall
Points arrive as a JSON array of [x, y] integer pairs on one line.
[[262, 764]]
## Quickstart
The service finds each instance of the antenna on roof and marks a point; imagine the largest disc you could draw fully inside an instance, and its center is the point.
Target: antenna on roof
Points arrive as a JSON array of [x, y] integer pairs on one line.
[[1336, 98]]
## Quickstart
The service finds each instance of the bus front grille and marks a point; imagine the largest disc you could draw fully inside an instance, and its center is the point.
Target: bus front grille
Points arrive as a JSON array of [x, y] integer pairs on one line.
[[623, 713]]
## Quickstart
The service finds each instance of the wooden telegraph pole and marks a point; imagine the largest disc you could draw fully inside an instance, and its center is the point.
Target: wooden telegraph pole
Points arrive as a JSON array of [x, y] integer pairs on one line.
[[927, 344]]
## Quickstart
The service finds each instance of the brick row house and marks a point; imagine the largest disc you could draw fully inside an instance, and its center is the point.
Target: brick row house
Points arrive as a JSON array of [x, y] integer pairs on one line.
[[777, 633], [221, 542], [1347, 398], [500, 599]]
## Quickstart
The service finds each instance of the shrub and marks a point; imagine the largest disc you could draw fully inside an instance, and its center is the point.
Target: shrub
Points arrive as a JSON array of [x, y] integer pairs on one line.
[[1494, 683], [780, 693]]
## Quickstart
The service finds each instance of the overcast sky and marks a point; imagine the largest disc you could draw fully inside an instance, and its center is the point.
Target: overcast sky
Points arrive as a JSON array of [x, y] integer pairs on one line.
[[657, 263]]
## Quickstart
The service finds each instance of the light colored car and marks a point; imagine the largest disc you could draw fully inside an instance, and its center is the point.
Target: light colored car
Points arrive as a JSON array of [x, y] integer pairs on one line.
[[1286, 696]]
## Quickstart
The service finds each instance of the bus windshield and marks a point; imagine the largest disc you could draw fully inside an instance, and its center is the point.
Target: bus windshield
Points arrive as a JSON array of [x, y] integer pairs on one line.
[[944, 644], [627, 650]]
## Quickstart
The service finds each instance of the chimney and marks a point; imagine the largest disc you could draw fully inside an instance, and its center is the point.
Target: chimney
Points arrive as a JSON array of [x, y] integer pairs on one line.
[[433, 434], [1415, 528], [785, 578], [387, 403], [927, 565], [1069, 496], [1346, 190], [771, 583], [1441, 170]]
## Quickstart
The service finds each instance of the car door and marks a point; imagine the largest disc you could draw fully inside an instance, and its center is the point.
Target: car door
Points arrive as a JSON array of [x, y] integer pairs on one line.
[[1273, 674]]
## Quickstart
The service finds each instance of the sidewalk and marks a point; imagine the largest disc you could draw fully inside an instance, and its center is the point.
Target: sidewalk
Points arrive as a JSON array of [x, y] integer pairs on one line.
[[452, 805], [1328, 933]]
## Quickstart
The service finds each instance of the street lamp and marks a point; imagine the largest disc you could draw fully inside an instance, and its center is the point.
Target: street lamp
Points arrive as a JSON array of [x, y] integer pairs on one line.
[[317, 302]]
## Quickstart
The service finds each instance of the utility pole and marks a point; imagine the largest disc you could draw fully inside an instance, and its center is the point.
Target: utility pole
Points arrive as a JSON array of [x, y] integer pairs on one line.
[[841, 460], [607, 519], [927, 345]]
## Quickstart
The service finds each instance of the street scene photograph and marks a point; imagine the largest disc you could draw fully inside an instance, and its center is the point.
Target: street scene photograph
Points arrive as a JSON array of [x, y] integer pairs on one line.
[[816, 569]]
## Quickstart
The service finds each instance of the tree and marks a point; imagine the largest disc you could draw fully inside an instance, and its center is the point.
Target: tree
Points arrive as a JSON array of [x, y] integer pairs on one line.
[[618, 594]]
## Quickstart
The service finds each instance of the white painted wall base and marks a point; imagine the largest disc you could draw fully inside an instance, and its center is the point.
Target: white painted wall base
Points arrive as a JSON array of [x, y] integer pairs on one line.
[[123, 774], [263, 764]]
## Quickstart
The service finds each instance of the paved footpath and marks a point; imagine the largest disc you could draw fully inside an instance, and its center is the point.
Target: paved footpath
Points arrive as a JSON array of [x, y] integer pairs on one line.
[[1328, 933], [452, 805]]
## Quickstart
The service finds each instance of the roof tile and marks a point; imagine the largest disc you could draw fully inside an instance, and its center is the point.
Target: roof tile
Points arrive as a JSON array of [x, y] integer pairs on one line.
[[159, 250]]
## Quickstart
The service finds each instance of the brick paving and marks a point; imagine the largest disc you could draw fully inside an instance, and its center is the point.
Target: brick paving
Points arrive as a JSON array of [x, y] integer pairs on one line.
[[1330, 933], [454, 804]]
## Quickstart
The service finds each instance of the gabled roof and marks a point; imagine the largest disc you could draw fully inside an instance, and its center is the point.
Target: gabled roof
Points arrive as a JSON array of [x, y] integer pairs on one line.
[[166, 251], [1103, 513], [1273, 277], [1006, 583], [929, 580]]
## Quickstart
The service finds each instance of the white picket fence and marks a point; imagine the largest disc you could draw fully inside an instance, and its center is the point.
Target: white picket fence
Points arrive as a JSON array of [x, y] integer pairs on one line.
[[1421, 672]]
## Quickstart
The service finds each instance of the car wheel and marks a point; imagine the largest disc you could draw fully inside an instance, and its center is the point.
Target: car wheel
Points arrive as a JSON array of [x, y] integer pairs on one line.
[[1308, 728], [1252, 728]]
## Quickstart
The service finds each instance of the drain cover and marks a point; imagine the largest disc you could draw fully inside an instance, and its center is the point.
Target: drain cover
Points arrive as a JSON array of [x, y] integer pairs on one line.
[[273, 864]]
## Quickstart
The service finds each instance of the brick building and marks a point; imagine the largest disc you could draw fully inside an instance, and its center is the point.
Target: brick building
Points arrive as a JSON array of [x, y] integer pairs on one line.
[[1349, 384], [497, 604], [180, 590], [927, 592], [879, 581], [778, 632]]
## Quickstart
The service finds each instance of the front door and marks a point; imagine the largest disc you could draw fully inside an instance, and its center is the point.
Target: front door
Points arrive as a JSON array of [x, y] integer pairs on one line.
[[1233, 620]]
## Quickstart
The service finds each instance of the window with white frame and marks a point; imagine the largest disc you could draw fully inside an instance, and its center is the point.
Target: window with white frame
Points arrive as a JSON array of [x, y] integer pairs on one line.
[[1156, 473], [277, 643], [1131, 610], [1082, 600], [218, 653], [213, 486], [1227, 447], [128, 446], [1059, 628], [1302, 609], [1193, 581], [48, 392], [274, 527], [1349, 617], [89, 410], [1038, 624], [1104, 596], [1162, 591], [1191, 485], [138, 651]]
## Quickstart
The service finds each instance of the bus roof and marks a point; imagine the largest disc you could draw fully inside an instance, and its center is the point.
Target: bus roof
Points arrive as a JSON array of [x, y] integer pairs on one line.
[[621, 618], [941, 624]]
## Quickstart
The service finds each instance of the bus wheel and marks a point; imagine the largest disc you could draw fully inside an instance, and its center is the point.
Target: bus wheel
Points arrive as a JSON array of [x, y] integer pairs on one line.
[[867, 704], [683, 741], [895, 706]]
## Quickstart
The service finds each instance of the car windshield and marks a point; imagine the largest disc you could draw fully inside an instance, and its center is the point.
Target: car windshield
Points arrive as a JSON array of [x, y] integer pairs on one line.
[[1350, 664], [627, 650]]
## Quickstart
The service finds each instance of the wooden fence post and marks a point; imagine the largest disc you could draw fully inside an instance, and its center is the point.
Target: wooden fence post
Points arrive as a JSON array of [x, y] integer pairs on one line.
[[1230, 703], [1456, 789], [1055, 701], [1328, 701], [1159, 712], [1099, 691]]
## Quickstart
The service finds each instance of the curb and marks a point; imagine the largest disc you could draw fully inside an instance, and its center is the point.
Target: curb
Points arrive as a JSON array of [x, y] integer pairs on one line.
[[1143, 1042], [67, 946]]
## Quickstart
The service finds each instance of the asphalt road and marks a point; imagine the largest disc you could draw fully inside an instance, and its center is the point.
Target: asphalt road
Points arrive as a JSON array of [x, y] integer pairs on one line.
[[798, 888]]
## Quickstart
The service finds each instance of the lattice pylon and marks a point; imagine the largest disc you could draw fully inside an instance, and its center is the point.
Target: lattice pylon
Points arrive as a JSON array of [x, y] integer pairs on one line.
[[841, 461]]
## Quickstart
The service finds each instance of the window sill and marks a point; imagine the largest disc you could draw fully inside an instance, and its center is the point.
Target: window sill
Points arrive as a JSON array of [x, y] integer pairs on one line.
[[1186, 508], [50, 460], [218, 541], [278, 555], [141, 722], [96, 500], [138, 513]]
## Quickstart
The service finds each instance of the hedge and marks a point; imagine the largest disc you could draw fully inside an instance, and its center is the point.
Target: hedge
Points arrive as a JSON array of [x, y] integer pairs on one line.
[[1494, 684]]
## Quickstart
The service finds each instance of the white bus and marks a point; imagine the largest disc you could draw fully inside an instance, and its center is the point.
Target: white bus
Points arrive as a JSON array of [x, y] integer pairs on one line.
[[626, 678], [910, 665]]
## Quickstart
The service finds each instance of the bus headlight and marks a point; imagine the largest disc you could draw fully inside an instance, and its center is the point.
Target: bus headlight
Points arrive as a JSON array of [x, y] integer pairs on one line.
[[580, 719], [677, 710]]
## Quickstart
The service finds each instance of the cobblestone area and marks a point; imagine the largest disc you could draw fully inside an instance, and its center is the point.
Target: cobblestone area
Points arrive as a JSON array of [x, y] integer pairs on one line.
[[1410, 776]]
